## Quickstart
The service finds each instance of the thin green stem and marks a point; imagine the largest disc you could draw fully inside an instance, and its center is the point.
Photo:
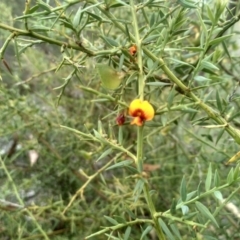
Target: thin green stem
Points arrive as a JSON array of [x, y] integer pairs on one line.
[[147, 195], [121, 114], [20, 32], [27, 7], [119, 226], [3, 48], [107, 96], [181, 220], [140, 149], [120, 135], [141, 83], [138, 43], [152, 209]]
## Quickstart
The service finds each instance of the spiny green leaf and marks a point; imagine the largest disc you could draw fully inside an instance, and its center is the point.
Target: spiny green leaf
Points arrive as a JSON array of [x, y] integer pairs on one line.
[[204, 34], [226, 50], [185, 209], [94, 16], [152, 20], [33, 9], [173, 206], [181, 62], [175, 230], [207, 237], [115, 3], [209, 178], [188, 3], [201, 79], [76, 19], [205, 212], [230, 177], [210, 14], [220, 7], [218, 195], [183, 189], [219, 102], [120, 164], [110, 41], [130, 213], [67, 24], [138, 189], [44, 6], [216, 179], [198, 189], [166, 229], [208, 65], [158, 84], [145, 232], [219, 39], [194, 49], [170, 98], [127, 233], [105, 153], [111, 220], [220, 134], [119, 219], [191, 195]]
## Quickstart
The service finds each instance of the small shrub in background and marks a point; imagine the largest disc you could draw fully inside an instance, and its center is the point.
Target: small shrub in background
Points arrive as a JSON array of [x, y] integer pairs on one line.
[[119, 120]]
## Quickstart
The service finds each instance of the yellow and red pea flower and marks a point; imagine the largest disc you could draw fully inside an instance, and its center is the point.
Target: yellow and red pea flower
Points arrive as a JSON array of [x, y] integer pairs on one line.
[[141, 111]]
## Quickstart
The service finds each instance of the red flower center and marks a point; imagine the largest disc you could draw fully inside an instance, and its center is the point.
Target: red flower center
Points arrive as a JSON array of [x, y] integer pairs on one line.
[[139, 113]]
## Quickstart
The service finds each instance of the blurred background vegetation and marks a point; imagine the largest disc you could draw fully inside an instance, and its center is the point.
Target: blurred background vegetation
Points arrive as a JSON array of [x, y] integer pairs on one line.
[[46, 85]]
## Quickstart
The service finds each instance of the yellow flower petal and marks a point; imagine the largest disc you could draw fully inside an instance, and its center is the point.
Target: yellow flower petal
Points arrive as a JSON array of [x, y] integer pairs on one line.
[[141, 111], [148, 110], [133, 106], [137, 121]]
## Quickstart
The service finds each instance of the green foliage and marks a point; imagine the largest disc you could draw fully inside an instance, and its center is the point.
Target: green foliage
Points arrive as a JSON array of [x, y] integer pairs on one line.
[[69, 170]]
